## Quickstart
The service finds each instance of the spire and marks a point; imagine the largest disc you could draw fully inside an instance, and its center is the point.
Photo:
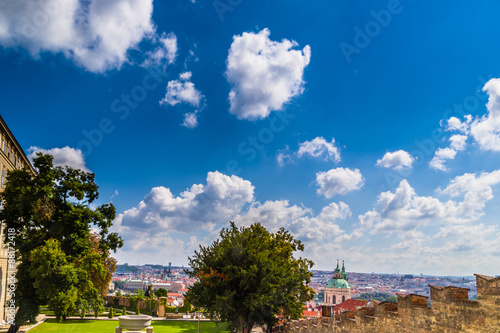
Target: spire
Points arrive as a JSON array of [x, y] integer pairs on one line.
[[337, 270], [344, 274]]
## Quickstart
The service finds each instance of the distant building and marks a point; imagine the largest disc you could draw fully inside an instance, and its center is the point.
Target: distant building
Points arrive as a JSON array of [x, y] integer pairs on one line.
[[337, 289], [133, 285], [12, 157]]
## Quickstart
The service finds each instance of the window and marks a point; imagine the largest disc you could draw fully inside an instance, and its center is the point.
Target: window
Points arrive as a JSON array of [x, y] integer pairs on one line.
[[343, 299], [3, 177], [334, 299]]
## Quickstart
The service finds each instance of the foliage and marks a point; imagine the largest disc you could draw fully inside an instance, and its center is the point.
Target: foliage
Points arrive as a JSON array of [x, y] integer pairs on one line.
[[110, 313], [161, 292], [124, 311], [382, 297], [48, 217], [249, 275], [127, 269], [119, 284], [134, 299], [137, 311]]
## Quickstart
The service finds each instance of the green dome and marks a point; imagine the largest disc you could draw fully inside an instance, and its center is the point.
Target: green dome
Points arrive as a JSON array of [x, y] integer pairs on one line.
[[338, 283]]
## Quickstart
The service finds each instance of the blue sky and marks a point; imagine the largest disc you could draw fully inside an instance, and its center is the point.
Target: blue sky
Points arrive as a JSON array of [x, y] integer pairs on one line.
[[364, 129]]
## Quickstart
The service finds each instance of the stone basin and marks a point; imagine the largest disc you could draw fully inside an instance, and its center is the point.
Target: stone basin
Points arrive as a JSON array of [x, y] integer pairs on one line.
[[134, 322]]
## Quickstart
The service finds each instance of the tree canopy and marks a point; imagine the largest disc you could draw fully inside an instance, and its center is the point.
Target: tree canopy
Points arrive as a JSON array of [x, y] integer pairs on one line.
[[62, 244], [249, 276]]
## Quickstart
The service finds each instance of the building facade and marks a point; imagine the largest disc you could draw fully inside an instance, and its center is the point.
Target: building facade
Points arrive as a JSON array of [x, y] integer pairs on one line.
[[12, 157], [337, 289]]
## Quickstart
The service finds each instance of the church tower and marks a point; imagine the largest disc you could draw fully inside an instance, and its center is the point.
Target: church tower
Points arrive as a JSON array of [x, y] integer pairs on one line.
[[337, 289]]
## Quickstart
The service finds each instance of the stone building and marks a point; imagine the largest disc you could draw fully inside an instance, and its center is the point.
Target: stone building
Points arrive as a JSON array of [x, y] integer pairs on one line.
[[337, 289], [12, 157]]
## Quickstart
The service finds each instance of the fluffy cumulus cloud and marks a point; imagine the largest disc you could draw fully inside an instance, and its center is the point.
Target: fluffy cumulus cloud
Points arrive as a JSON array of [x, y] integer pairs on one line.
[[184, 91], [458, 142], [486, 130], [338, 181], [200, 207], [65, 156], [320, 148], [440, 157], [398, 160], [95, 34], [264, 74], [404, 210], [206, 207]]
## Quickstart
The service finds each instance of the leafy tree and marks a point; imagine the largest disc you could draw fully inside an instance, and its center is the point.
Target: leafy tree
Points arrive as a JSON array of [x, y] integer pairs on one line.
[[48, 217], [161, 292], [248, 276]]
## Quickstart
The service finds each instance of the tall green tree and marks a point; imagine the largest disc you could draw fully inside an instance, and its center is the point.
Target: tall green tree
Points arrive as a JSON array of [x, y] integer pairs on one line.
[[161, 292], [249, 276], [48, 218]]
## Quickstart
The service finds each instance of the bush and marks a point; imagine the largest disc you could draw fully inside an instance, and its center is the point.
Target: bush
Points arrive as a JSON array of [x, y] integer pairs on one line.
[[110, 313], [124, 312], [137, 311]]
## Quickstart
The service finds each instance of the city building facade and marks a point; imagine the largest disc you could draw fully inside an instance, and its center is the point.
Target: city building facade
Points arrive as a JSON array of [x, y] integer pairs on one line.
[[12, 157]]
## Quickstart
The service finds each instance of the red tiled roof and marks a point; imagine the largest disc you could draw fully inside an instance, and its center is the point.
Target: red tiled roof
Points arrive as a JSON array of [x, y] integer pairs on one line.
[[306, 313], [349, 305]]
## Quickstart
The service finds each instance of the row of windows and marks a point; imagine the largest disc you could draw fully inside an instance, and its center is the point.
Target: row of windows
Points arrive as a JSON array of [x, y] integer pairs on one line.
[[9, 151], [329, 299]]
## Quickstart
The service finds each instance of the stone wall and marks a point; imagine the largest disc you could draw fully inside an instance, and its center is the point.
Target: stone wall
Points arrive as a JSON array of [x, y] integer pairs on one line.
[[450, 311]]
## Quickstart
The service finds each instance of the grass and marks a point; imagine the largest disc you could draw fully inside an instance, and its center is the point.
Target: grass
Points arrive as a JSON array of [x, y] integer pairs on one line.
[[107, 326]]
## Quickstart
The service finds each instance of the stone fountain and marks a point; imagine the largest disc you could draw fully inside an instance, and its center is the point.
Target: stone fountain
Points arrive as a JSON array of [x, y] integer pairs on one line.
[[134, 323]]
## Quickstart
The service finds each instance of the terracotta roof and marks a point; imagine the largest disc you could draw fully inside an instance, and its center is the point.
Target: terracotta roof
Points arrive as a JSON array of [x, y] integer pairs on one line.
[[306, 313], [349, 305]]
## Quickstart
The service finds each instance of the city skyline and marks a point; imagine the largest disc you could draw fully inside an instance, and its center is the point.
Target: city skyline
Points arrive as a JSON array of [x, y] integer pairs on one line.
[[369, 131]]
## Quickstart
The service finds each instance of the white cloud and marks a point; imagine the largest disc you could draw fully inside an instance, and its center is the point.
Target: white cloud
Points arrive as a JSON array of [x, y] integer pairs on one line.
[[486, 130], [404, 210], [200, 207], [283, 156], [458, 142], [190, 120], [319, 147], [456, 125], [204, 208], [165, 53], [96, 34], [338, 181], [65, 156], [440, 157], [182, 91], [398, 160], [264, 74]]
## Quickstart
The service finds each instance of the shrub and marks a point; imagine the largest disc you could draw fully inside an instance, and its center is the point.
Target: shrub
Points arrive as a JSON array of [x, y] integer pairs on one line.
[[110, 313], [124, 312], [137, 311]]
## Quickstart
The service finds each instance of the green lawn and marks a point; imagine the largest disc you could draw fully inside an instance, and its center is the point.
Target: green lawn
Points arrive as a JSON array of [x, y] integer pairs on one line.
[[107, 326]]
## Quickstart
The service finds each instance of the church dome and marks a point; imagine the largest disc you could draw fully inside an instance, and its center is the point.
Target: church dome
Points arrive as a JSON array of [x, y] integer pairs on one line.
[[338, 283]]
